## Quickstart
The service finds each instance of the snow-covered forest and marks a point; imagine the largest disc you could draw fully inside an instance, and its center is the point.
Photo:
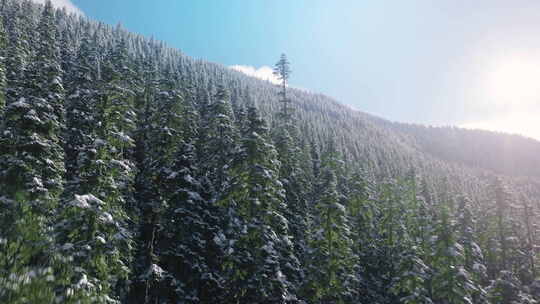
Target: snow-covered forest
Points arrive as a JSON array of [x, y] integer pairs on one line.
[[132, 173]]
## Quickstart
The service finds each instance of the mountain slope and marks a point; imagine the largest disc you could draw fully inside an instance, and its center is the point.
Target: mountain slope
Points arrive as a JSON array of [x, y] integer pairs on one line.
[[132, 173]]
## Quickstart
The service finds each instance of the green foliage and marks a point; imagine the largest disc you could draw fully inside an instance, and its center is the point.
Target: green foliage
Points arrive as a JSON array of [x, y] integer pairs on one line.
[[31, 179], [263, 248], [331, 261], [3, 44], [127, 175]]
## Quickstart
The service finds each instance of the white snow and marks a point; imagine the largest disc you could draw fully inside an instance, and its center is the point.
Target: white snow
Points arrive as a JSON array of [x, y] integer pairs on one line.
[[153, 271], [106, 218], [101, 240], [67, 246], [85, 201]]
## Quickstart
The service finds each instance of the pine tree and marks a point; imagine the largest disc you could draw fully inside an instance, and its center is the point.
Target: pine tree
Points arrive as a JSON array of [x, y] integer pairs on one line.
[[528, 218], [497, 239], [81, 101], [451, 282], [363, 214], [291, 174], [262, 254], [472, 253], [3, 44], [160, 135], [91, 240], [392, 254], [104, 173], [295, 184], [192, 253], [193, 243], [91, 229], [28, 15], [507, 289], [147, 275], [31, 179], [67, 50], [330, 274], [220, 137], [412, 283], [501, 203], [414, 280], [283, 71], [15, 60]]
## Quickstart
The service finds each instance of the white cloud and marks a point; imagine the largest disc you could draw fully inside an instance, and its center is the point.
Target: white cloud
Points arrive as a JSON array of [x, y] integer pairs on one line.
[[70, 7], [265, 72], [523, 123]]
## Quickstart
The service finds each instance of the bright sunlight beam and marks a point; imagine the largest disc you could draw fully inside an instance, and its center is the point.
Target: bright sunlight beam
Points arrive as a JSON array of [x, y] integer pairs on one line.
[[515, 79], [509, 86]]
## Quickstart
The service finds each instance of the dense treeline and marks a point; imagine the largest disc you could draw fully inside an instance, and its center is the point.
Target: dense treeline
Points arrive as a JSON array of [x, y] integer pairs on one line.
[[130, 173]]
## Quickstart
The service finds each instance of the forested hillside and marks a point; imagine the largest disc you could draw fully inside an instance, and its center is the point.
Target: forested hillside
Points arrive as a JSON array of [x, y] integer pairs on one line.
[[132, 173], [503, 153]]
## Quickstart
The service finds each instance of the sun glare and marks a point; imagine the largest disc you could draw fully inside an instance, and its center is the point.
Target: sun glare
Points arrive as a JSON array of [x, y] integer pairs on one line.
[[516, 123], [514, 79], [510, 91]]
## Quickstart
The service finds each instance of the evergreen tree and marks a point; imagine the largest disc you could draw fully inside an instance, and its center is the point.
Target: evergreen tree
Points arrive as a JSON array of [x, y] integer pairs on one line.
[[67, 50], [31, 179], [81, 101], [500, 236], [15, 60], [83, 220], [220, 141], [501, 208], [147, 275], [296, 189], [452, 283], [283, 71], [331, 260], [91, 229], [413, 283], [367, 242], [392, 255], [2, 68], [291, 174], [91, 240], [193, 243], [506, 289], [472, 253], [160, 135], [529, 216], [103, 176], [262, 253]]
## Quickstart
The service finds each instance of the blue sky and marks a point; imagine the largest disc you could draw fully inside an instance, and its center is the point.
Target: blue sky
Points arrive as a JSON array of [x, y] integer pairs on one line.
[[455, 62]]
